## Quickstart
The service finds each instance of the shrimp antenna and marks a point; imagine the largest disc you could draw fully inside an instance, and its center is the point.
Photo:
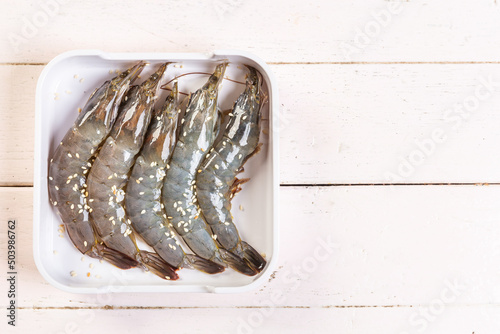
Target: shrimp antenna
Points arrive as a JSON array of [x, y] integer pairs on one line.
[[190, 73], [170, 89]]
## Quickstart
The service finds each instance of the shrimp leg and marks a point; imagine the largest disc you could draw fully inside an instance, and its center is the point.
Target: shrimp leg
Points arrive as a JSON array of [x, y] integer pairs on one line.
[[72, 160], [109, 175]]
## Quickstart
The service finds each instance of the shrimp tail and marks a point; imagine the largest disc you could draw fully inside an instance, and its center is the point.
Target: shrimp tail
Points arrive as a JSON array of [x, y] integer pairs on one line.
[[158, 266], [114, 257], [203, 265], [237, 263], [253, 257]]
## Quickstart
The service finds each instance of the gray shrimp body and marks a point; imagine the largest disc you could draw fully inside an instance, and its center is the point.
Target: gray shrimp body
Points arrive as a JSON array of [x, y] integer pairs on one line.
[[143, 195], [72, 160], [217, 182], [110, 171], [196, 137]]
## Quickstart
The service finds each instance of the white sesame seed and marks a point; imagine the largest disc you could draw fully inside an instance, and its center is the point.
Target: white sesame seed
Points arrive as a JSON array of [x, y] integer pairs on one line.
[[72, 206], [143, 212], [72, 273], [57, 188], [77, 155], [141, 193], [51, 178], [69, 155]]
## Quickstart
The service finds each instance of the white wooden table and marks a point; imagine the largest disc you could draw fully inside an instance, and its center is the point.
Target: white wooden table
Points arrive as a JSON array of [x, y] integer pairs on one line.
[[390, 116]]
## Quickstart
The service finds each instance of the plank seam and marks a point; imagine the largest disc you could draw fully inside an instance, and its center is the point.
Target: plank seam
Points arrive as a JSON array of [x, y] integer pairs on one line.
[[328, 63], [110, 307]]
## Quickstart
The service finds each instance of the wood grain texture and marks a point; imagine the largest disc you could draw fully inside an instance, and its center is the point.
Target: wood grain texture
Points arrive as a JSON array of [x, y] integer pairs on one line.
[[364, 85], [17, 126], [460, 319], [339, 124], [278, 31], [341, 246]]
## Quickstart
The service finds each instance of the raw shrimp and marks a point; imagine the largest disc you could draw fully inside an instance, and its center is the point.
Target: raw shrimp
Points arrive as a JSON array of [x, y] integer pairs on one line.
[[72, 160], [217, 182], [196, 136], [109, 174], [143, 195]]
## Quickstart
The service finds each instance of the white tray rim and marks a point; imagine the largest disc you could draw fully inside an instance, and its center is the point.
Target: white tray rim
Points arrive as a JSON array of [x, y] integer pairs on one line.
[[274, 142]]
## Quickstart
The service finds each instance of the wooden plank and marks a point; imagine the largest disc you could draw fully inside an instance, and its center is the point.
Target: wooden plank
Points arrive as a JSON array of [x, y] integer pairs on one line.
[[291, 31], [343, 124], [463, 319], [340, 247], [17, 126]]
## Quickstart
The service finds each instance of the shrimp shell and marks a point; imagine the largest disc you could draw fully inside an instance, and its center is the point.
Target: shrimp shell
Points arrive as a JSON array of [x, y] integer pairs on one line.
[[196, 137], [143, 197], [71, 162], [109, 175], [217, 182]]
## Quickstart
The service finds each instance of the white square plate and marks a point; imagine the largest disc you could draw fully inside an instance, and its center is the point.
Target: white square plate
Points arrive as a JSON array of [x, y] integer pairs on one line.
[[64, 86]]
